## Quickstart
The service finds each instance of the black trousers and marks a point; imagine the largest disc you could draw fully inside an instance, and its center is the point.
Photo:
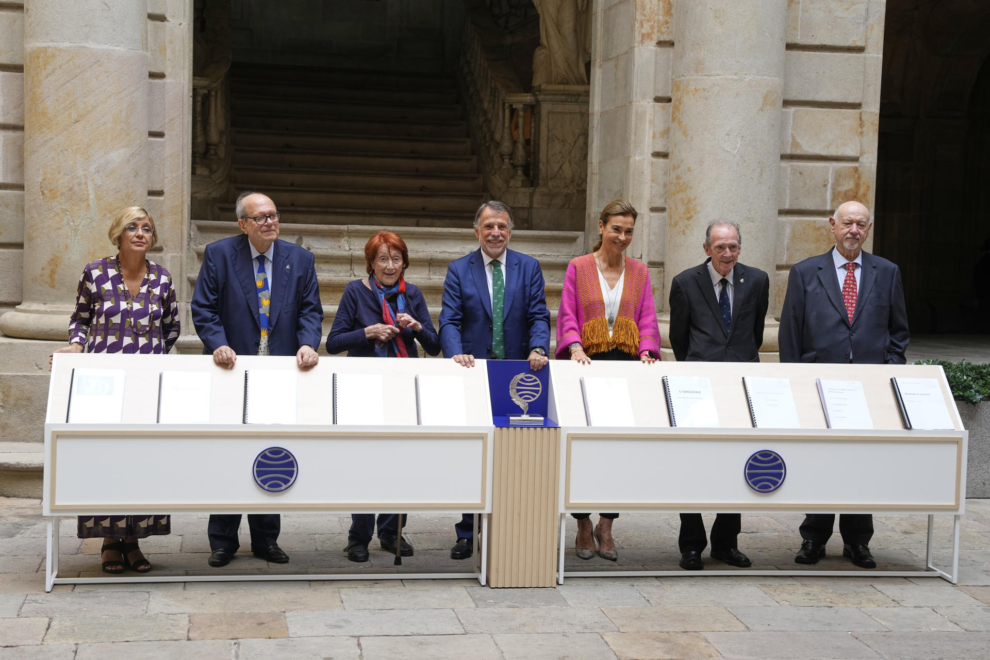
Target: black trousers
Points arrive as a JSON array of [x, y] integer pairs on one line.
[[582, 516], [264, 531], [855, 528], [363, 526], [725, 532]]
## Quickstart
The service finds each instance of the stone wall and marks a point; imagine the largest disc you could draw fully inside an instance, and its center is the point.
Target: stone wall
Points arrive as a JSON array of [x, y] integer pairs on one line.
[[410, 35], [826, 55], [77, 147]]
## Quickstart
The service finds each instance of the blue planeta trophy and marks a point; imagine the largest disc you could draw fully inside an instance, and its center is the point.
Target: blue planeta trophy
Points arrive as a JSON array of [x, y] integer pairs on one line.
[[524, 389]]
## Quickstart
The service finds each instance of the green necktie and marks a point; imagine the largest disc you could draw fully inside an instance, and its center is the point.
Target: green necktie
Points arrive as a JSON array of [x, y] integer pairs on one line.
[[498, 302]]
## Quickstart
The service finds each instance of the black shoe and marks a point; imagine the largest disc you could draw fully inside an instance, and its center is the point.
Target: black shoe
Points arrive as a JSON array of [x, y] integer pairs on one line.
[[860, 555], [388, 545], [810, 553], [691, 561], [220, 558], [732, 557], [463, 549], [272, 553], [357, 551]]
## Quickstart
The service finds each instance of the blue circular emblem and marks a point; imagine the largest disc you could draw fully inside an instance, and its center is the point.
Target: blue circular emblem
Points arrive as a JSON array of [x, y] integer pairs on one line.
[[275, 470], [765, 471]]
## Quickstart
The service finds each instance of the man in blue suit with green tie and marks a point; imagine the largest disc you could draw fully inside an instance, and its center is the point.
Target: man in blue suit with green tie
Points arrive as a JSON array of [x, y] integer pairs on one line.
[[493, 308]]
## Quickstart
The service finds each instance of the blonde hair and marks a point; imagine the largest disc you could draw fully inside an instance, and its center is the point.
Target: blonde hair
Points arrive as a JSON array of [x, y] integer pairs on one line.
[[615, 207], [126, 216]]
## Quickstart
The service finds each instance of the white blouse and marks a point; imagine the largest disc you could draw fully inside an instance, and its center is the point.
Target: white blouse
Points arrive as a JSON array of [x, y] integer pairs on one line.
[[612, 298]]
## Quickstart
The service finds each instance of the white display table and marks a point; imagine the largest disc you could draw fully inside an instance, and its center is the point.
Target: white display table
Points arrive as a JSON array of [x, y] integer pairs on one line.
[[210, 468], [653, 467]]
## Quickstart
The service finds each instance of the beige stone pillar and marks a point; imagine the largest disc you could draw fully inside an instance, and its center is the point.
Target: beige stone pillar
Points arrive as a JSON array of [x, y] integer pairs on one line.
[[85, 146], [728, 79]]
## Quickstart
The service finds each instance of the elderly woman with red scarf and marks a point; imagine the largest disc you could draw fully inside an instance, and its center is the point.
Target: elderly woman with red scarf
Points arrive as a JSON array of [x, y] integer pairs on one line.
[[381, 316]]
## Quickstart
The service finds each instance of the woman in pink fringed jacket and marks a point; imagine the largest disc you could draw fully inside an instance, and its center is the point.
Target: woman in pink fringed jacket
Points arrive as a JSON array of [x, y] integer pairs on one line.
[[607, 313]]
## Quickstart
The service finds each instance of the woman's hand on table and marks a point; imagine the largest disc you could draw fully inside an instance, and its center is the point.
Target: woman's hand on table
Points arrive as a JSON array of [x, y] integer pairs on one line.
[[71, 348]]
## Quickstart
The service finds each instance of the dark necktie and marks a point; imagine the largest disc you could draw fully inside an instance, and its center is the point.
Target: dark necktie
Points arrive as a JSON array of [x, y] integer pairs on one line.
[[723, 303], [498, 306]]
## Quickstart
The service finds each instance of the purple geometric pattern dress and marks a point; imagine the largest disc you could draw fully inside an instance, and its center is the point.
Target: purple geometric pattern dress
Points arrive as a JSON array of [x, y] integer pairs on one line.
[[108, 320]]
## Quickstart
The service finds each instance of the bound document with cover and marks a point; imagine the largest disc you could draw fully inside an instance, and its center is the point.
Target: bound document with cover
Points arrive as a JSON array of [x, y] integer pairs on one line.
[[269, 396], [96, 396], [358, 399], [771, 403], [844, 403], [690, 401], [440, 400], [184, 397], [922, 404], [606, 402]]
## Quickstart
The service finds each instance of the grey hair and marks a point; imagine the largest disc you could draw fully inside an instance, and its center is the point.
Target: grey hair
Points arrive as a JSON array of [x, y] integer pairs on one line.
[[498, 207], [239, 204], [721, 223]]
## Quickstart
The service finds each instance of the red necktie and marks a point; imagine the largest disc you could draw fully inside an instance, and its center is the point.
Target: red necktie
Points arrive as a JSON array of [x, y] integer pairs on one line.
[[849, 290]]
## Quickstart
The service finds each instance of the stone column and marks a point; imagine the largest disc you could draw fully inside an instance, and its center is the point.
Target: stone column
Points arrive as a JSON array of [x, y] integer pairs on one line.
[[85, 146], [728, 79]]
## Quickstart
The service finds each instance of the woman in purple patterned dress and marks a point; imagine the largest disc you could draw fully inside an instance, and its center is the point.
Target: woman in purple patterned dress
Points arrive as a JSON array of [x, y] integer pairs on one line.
[[125, 304]]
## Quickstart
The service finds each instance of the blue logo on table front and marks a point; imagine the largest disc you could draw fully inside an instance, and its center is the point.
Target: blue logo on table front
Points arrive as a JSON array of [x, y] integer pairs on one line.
[[275, 470], [765, 471]]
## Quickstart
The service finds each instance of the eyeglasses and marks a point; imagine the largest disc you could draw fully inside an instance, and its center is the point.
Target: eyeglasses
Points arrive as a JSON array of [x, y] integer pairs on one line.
[[720, 247], [263, 219], [384, 261], [144, 229]]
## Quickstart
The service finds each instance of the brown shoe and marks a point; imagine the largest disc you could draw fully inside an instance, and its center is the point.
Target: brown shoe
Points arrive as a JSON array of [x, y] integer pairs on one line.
[[606, 544], [584, 543]]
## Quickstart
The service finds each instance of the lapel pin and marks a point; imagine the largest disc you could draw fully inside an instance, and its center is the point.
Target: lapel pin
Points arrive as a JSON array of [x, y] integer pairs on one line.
[[741, 280], [288, 267]]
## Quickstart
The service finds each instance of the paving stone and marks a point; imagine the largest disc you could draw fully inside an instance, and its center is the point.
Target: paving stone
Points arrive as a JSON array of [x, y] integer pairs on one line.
[[438, 598], [837, 594], [43, 652], [805, 618], [238, 625], [358, 584], [673, 594], [131, 628], [929, 595], [660, 646], [790, 645], [10, 606], [910, 618], [673, 619], [981, 594], [466, 583], [369, 622], [534, 620], [85, 604], [34, 546], [18, 632], [974, 619], [301, 648], [200, 650], [565, 646], [602, 596], [20, 564], [440, 647], [252, 585], [243, 600], [147, 587], [486, 597], [28, 583], [916, 645]]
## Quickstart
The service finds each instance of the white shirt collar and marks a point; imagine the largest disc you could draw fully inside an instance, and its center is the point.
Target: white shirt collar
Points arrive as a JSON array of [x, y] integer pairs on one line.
[[269, 253], [716, 277], [840, 261], [501, 258]]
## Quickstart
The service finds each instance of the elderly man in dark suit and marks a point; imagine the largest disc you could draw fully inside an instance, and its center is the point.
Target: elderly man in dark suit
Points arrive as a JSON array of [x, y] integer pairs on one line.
[[256, 295], [717, 312], [493, 307], [847, 307]]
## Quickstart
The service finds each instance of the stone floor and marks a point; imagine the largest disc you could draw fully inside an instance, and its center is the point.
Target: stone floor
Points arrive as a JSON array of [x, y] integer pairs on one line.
[[634, 618], [954, 348]]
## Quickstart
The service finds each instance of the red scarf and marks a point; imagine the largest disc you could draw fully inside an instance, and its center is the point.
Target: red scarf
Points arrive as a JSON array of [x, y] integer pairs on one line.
[[400, 289]]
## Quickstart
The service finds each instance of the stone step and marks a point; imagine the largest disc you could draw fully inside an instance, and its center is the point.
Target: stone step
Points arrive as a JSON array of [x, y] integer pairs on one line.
[[289, 142], [249, 89], [22, 466], [356, 126], [419, 240], [372, 199], [377, 219], [262, 177], [299, 108], [260, 74], [332, 160]]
